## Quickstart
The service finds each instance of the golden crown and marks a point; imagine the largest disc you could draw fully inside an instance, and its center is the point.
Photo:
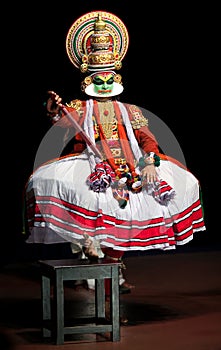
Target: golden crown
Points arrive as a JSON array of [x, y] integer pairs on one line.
[[97, 41]]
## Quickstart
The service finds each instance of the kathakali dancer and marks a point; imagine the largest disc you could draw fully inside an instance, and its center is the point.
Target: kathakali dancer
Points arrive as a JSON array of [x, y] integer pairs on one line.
[[116, 190]]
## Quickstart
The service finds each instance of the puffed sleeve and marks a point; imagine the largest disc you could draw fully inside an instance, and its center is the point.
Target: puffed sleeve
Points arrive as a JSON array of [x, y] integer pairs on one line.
[[77, 110], [146, 140], [144, 136]]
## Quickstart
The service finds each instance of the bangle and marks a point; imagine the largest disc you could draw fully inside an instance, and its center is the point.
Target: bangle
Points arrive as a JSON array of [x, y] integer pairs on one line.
[[56, 117], [149, 159]]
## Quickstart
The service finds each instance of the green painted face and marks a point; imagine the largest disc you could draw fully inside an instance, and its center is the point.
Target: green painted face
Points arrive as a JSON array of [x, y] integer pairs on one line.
[[103, 83]]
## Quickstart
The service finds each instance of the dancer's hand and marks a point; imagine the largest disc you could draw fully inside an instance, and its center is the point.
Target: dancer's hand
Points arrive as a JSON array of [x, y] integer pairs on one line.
[[53, 104], [149, 173]]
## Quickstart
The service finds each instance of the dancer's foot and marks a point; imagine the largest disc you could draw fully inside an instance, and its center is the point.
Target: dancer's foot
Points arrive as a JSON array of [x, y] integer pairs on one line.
[[89, 249], [125, 288], [123, 319]]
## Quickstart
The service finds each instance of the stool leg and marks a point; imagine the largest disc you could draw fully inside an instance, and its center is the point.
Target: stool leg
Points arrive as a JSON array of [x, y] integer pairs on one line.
[[59, 308], [115, 304], [46, 304], [99, 298]]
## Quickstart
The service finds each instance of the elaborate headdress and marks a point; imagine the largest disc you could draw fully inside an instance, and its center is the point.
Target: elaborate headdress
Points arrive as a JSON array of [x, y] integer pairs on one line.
[[97, 42]]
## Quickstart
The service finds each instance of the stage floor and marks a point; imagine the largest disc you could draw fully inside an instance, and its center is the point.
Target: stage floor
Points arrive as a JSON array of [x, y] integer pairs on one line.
[[175, 305]]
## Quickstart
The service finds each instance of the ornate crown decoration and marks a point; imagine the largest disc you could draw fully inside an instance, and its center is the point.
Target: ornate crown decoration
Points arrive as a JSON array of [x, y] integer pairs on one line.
[[97, 41]]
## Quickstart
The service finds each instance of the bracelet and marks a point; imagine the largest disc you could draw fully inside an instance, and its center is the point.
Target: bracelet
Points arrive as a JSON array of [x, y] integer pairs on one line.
[[56, 117], [149, 159]]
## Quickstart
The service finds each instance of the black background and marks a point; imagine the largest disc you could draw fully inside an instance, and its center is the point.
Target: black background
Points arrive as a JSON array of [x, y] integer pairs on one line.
[[169, 70]]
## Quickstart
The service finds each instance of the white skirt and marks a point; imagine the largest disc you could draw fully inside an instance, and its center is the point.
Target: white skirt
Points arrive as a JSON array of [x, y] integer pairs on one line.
[[60, 207]]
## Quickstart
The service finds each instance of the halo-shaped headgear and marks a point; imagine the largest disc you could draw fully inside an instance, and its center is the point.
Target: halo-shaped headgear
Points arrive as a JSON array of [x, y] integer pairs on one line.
[[97, 41]]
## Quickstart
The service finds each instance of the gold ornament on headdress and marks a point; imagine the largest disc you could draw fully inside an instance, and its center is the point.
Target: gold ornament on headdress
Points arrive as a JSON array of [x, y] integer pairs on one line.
[[97, 42], [118, 78], [87, 81]]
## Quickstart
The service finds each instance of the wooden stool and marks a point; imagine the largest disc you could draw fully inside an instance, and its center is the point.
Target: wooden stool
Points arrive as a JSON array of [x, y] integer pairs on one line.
[[55, 272]]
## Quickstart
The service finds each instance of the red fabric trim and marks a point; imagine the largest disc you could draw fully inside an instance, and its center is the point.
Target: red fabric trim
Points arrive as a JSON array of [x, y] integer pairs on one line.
[[149, 233]]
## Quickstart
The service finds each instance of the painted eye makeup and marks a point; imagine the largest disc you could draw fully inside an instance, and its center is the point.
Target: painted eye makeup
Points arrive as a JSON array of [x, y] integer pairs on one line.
[[98, 81], [110, 81]]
